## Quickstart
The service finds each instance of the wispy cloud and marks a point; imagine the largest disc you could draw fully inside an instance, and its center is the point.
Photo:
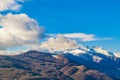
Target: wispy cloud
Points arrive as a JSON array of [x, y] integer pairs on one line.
[[82, 36], [107, 38]]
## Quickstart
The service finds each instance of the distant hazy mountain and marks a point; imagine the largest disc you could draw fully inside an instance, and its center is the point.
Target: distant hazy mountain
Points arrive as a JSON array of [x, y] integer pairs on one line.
[[34, 65]]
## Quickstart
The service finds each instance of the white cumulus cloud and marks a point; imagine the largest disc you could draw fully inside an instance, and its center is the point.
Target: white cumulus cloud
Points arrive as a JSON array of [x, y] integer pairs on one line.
[[13, 5], [59, 43], [18, 30]]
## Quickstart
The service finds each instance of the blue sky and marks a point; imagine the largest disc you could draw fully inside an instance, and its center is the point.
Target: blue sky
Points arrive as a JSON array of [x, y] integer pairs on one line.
[[99, 17], [91, 16]]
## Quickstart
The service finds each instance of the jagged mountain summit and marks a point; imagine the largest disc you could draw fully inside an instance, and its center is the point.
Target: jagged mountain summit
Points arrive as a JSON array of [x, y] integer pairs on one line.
[[87, 50]]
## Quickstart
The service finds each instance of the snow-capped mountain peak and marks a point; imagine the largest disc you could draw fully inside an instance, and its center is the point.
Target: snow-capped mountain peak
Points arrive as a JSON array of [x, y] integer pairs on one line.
[[117, 55], [76, 51], [95, 54], [101, 50]]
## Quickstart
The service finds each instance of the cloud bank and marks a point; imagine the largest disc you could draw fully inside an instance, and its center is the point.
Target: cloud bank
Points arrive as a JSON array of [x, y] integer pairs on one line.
[[18, 30], [13, 5], [85, 37]]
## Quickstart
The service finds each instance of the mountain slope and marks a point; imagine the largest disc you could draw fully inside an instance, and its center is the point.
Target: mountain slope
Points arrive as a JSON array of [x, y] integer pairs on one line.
[[34, 65], [96, 58]]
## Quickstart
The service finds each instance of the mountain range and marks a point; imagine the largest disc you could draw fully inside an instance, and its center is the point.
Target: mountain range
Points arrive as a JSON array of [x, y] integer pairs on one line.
[[74, 64]]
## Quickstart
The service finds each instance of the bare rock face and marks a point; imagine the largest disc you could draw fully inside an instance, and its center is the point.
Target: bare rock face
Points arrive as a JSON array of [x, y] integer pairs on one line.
[[34, 65]]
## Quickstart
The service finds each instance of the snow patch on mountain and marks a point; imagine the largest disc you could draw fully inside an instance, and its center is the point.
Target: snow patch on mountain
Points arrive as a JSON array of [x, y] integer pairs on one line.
[[101, 50], [117, 55], [97, 59], [77, 51]]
